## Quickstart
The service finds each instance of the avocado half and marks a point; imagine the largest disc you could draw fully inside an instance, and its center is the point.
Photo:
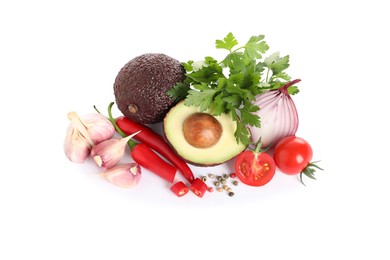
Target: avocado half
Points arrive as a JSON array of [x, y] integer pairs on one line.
[[141, 86], [199, 137]]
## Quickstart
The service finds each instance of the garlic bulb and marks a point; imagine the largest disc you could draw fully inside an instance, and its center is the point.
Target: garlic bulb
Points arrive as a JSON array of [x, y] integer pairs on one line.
[[78, 143], [83, 133]]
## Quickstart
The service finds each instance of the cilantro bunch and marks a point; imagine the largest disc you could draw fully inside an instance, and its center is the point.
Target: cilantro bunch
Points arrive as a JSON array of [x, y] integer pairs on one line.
[[231, 85]]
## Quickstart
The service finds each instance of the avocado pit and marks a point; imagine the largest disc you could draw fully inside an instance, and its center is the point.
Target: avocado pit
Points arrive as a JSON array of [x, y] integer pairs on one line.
[[198, 138], [202, 130]]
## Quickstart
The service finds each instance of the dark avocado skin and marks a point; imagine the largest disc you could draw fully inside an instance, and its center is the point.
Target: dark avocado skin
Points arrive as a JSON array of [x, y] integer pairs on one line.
[[144, 82]]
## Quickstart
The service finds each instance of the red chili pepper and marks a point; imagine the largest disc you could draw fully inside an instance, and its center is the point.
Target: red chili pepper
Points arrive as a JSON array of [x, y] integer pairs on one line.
[[179, 188], [145, 156], [156, 142], [148, 159], [198, 187]]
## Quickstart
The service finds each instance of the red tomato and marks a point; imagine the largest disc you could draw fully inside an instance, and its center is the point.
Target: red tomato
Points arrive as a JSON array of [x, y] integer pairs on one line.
[[292, 154], [254, 168]]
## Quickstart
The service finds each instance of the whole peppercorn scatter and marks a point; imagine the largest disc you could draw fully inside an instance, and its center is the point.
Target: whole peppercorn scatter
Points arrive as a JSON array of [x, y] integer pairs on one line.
[[220, 182]]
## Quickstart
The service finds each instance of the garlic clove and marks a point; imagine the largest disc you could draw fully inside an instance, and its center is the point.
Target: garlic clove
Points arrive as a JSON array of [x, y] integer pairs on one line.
[[76, 148], [124, 175], [77, 144], [108, 153]]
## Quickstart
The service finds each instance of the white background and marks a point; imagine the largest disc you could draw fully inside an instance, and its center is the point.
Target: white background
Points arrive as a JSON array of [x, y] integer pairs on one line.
[[61, 56]]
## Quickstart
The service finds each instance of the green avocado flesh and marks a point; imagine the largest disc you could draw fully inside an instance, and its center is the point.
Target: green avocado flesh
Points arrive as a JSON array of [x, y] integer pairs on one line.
[[224, 149]]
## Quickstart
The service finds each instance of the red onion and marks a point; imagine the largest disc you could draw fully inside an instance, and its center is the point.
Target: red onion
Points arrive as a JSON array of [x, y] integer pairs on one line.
[[278, 116]]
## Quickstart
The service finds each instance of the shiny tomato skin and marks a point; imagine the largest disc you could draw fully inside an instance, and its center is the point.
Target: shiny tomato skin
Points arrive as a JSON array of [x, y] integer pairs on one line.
[[292, 154], [254, 169]]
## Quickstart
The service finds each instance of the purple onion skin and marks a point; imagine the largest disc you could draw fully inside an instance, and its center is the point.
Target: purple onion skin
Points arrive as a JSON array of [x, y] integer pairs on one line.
[[278, 116]]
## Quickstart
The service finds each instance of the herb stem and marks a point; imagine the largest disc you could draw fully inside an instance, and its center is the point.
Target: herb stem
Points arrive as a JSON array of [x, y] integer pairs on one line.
[[239, 48], [266, 77], [231, 52]]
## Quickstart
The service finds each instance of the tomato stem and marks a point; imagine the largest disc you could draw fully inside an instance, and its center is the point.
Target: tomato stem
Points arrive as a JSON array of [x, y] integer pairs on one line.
[[258, 146], [313, 164], [309, 171]]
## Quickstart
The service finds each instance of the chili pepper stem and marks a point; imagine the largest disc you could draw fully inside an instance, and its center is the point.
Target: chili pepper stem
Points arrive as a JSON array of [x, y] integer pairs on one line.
[[112, 120], [131, 143]]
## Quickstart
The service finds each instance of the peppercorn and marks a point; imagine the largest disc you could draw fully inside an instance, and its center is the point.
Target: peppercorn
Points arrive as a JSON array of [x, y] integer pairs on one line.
[[219, 178], [225, 176], [235, 183], [233, 175], [211, 176], [223, 181], [217, 183], [231, 194], [204, 178], [219, 189]]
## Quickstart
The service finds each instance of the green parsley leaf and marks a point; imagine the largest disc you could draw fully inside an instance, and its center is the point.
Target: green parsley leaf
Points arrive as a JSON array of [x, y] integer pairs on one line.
[[271, 59], [187, 65], [210, 60], [279, 65], [179, 91], [235, 62], [255, 47], [242, 132], [208, 74], [249, 118], [201, 99], [233, 100], [293, 90], [227, 43], [200, 86], [219, 106], [247, 115], [282, 75]]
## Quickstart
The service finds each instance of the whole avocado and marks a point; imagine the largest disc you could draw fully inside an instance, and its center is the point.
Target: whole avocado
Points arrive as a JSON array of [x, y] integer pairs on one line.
[[141, 86]]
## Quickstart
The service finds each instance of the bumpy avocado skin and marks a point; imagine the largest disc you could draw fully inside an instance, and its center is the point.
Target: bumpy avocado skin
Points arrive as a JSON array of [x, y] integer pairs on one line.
[[143, 84]]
